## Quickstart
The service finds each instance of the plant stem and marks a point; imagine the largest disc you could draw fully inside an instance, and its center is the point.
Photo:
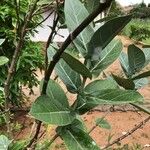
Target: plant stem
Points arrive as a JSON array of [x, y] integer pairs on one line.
[[128, 133], [55, 22], [39, 123], [92, 129], [70, 38], [13, 64], [17, 5]]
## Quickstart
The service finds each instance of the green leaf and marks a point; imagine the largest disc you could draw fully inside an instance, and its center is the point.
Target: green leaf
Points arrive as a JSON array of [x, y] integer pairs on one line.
[[69, 77], [108, 96], [102, 123], [139, 83], [125, 64], [98, 85], [77, 65], [105, 34], [136, 58], [76, 139], [3, 60], [142, 75], [93, 88], [52, 91], [91, 5], [125, 83], [4, 142], [51, 111], [75, 13], [2, 41], [108, 56]]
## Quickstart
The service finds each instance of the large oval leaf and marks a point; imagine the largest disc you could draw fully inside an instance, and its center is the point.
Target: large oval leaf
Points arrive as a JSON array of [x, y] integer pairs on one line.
[[94, 88], [51, 111], [136, 58], [69, 77], [76, 65], [105, 34], [98, 85], [75, 13], [76, 139], [3, 60], [109, 96], [108, 56], [52, 91]]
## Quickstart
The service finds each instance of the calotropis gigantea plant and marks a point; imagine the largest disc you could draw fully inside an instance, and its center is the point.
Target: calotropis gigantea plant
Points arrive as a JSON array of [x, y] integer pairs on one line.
[[99, 49], [133, 64]]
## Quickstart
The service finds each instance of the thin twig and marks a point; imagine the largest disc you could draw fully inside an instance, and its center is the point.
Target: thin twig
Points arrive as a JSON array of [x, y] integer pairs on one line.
[[39, 123], [141, 124], [50, 38], [14, 61], [17, 9], [40, 23]]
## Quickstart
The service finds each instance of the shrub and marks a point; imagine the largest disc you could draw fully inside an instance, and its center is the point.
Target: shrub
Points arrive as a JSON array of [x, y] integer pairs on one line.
[[138, 30], [30, 59], [141, 11]]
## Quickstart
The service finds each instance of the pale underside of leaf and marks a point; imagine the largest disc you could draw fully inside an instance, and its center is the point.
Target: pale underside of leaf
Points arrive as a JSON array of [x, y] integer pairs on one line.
[[75, 13], [69, 77], [108, 55]]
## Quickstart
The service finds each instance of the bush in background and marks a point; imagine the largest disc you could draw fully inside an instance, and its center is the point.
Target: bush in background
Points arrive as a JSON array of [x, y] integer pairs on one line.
[[30, 59], [138, 29], [141, 11]]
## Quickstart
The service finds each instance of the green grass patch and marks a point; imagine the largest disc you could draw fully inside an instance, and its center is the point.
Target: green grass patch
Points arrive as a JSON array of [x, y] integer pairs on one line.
[[138, 29]]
